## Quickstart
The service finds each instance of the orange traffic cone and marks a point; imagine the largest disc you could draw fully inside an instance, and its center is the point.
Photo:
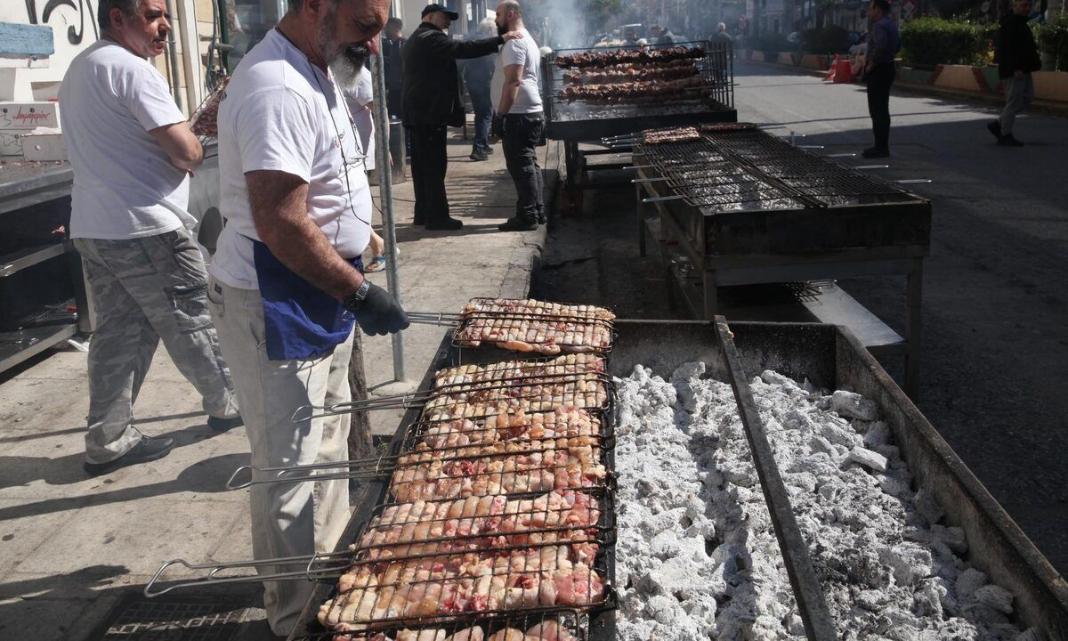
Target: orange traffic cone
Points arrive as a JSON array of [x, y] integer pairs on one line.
[[843, 70]]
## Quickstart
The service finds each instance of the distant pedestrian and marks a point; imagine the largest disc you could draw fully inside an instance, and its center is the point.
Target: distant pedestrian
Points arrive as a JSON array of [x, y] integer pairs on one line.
[[478, 76], [1017, 57], [879, 73], [393, 65], [521, 118], [432, 103], [721, 35], [132, 151]]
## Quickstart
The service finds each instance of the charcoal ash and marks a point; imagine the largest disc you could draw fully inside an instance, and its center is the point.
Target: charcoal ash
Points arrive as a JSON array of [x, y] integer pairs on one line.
[[697, 556]]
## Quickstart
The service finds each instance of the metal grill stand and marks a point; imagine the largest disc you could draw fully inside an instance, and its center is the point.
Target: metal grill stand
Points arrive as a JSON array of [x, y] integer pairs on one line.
[[578, 121], [746, 208]]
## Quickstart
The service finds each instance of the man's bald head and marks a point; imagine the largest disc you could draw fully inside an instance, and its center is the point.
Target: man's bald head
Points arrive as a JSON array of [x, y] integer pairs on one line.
[[509, 16]]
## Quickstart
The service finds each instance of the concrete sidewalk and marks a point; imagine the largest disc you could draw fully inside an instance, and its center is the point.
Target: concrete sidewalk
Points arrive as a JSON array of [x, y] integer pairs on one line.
[[71, 547]]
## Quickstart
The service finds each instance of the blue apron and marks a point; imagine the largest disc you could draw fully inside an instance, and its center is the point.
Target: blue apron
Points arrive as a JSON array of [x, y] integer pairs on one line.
[[300, 320]]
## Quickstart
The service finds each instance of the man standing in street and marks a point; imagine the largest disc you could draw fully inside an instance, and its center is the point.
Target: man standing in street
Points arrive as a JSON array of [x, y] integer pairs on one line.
[[1017, 58], [132, 150], [478, 77], [393, 65], [879, 75], [432, 103], [520, 118], [286, 280]]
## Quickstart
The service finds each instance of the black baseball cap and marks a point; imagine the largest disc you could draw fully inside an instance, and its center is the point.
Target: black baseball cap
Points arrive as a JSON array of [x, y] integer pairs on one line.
[[431, 8]]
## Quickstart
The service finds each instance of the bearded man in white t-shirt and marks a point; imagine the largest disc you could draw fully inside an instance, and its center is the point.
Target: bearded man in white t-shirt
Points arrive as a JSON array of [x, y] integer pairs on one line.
[[132, 150], [520, 120], [287, 284]]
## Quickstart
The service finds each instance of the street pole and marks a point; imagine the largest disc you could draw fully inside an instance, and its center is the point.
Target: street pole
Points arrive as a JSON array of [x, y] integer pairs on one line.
[[385, 190]]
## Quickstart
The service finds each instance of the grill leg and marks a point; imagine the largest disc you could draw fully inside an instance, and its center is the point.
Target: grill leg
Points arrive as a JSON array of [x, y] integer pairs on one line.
[[640, 208], [914, 295], [711, 293]]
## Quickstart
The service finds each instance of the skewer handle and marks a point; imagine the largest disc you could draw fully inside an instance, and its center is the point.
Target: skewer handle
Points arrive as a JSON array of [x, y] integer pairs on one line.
[[212, 570], [661, 199]]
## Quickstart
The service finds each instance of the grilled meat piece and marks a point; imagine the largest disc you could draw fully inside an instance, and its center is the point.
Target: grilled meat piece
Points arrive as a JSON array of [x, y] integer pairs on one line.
[[622, 56]]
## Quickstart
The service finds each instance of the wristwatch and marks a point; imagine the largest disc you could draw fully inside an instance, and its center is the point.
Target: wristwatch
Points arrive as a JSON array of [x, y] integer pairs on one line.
[[354, 299]]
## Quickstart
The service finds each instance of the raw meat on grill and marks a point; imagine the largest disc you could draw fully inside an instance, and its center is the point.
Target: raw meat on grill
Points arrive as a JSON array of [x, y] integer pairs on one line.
[[588, 392], [535, 326], [205, 119], [460, 583], [482, 450], [545, 631], [630, 91], [561, 423], [622, 56], [669, 70], [553, 469], [477, 523], [566, 364], [666, 136]]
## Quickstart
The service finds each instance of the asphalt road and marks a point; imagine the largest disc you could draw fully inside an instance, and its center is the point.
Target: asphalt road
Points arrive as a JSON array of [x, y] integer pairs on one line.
[[995, 300]]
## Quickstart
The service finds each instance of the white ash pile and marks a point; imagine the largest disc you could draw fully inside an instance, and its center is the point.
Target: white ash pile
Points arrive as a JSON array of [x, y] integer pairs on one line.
[[697, 556]]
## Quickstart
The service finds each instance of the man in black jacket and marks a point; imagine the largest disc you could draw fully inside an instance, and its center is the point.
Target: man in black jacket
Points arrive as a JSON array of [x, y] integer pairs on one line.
[[1017, 58], [431, 103], [393, 65]]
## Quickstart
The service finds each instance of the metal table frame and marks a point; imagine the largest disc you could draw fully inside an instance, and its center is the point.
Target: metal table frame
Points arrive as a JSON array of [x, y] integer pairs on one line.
[[714, 272]]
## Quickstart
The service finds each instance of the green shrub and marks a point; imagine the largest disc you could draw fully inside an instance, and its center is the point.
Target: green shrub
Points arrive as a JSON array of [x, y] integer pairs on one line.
[[927, 42], [1052, 39], [825, 40]]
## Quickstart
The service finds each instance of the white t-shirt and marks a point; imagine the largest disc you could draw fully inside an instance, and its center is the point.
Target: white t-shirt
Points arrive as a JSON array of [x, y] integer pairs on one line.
[[282, 113], [358, 102], [124, 183], [524, 51]]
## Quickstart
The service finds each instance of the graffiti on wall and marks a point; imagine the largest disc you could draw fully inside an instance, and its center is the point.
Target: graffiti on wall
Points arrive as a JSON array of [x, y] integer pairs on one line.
[[75, 33]]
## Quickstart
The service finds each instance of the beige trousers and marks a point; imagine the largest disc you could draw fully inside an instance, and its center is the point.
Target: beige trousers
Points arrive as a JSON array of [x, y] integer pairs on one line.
[[288, 519]]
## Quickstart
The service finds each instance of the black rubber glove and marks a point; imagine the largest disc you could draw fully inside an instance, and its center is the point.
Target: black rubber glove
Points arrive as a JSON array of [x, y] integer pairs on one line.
[[497, 128], [379, 313]]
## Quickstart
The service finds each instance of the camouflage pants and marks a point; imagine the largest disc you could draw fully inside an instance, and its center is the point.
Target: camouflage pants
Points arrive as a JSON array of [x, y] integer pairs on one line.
[[144, 290]]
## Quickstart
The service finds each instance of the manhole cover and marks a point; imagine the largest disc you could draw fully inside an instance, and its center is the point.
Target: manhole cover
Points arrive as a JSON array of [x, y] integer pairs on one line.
[[140, 619]]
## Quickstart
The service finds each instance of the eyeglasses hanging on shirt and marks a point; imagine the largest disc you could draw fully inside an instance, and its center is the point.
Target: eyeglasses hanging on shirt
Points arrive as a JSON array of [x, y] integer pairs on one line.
[[360, 158]]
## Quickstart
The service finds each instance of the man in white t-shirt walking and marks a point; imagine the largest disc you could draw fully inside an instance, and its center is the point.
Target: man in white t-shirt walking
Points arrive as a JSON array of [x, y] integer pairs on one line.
[[286, 277], [520, 121], [131, 150]]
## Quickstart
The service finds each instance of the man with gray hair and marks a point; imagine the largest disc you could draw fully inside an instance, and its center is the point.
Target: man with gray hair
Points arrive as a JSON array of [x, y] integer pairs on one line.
[[132, 151], [287, 283]]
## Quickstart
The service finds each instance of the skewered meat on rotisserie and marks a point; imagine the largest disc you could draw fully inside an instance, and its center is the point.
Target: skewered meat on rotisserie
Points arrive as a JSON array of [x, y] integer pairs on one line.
[[630, 91], [667, 70], [622, 56], [457, 583], [536, 326]]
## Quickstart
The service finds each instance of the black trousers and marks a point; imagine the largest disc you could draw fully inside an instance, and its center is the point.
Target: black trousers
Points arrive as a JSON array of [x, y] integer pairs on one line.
[[522, 135], [879, 81], [430, 160]]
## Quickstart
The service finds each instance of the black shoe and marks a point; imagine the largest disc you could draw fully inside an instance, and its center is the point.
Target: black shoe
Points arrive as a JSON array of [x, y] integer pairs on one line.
[[220, 424], [515, 223], [995, 128], [478, 156], [148, 449], [875, 152], [446, 224], [1008, 140]]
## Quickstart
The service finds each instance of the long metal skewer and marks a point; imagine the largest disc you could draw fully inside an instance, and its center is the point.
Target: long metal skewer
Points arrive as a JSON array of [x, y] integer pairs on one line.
[[308, 573]]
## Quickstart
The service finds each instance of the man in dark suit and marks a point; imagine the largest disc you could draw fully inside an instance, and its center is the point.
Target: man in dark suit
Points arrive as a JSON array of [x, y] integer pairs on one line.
[[393, 65], [431, 103]]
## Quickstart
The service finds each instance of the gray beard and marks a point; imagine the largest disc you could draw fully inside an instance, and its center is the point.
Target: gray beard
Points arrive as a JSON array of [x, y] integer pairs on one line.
[[346, 66]]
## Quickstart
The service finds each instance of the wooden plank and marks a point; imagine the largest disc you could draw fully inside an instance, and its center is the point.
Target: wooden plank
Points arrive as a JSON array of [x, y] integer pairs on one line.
[[26, 40]]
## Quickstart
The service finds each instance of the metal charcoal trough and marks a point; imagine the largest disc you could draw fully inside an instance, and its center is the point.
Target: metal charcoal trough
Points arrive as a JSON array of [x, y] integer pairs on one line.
[[830, 357]]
